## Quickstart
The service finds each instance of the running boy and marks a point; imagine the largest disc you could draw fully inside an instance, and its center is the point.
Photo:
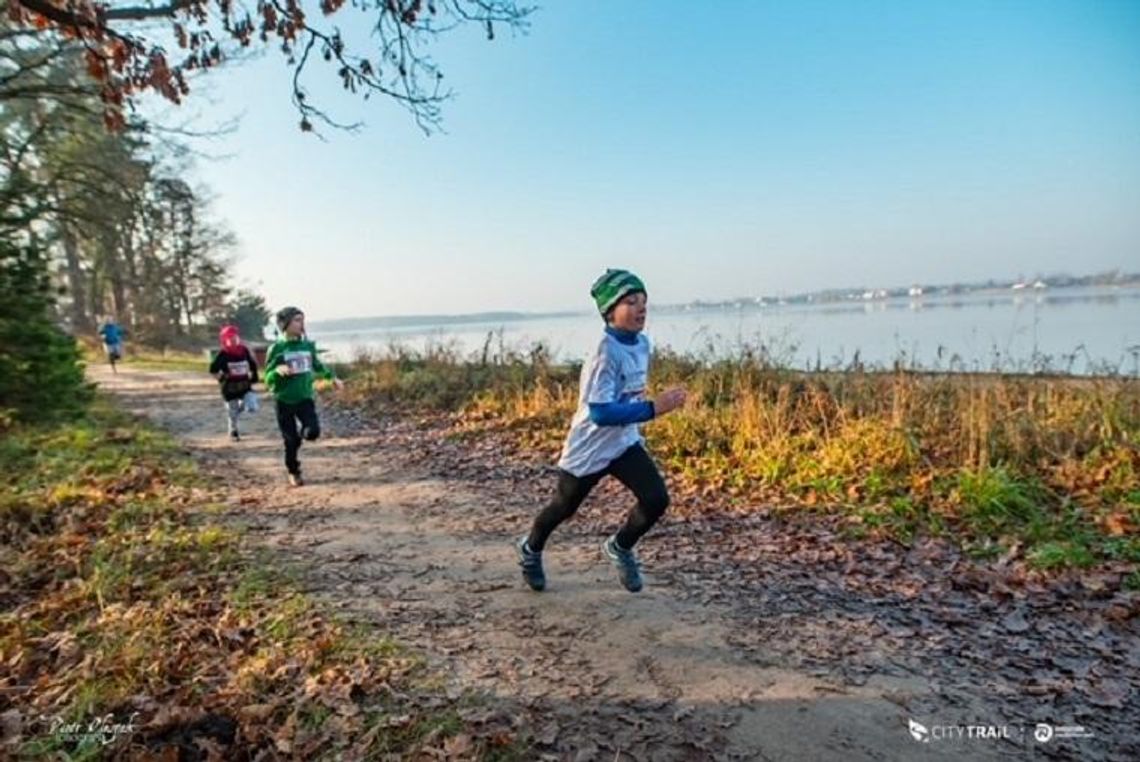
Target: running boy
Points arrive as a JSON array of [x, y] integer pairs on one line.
[[112, 335], [289, 369], [605, 438], [236, 370]]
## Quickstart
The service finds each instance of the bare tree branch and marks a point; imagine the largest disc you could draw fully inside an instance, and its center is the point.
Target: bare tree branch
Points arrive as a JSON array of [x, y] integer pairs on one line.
[[125, 63]]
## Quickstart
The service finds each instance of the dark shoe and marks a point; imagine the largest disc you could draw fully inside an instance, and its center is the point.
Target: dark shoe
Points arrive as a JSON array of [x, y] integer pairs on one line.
[[295, 480], [629, 569], [234, 435], [531, 564]]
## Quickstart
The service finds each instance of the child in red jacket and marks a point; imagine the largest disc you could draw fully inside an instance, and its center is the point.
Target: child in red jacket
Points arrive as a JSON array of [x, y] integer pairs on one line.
[[236, 370]]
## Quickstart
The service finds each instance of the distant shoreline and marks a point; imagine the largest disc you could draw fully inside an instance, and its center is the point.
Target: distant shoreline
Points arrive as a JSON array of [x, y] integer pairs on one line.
[[839, 298]]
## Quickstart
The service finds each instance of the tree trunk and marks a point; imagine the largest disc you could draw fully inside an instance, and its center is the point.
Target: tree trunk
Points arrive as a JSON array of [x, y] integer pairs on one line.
[[79, 317], [132, 274], [115, 275]]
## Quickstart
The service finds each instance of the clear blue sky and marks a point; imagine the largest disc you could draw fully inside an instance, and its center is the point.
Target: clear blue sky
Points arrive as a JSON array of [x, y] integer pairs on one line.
[[741, 148]]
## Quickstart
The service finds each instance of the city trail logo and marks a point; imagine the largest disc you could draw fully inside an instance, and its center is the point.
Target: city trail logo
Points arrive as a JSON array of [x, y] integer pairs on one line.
[[1042, 733]]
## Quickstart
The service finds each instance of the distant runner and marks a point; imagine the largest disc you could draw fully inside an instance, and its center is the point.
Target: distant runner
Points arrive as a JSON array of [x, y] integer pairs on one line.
[[112, 341]]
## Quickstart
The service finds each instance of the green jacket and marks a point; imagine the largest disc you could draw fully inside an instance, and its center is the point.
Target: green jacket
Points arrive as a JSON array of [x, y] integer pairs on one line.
[[301, 356]]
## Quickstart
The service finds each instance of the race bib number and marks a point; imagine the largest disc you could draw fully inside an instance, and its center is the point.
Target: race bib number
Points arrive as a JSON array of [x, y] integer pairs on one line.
[[299, 362], [238, 369]]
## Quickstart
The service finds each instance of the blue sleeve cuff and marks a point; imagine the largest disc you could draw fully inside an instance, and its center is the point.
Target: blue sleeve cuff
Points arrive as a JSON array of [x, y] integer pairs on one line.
[[620, 413]]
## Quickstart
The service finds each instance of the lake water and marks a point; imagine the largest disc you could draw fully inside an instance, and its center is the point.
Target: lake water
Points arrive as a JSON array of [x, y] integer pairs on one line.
[[1073, 330]]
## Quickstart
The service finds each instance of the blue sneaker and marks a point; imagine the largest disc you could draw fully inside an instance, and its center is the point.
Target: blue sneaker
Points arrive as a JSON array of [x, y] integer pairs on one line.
[[531, 563], [629, 569]]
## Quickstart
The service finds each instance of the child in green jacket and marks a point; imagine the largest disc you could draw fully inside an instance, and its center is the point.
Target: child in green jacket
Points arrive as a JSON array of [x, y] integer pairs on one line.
[[289, 369]]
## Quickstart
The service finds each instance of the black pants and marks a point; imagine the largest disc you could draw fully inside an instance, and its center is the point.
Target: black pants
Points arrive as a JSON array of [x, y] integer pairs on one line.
[[288, 416], [633, 468]]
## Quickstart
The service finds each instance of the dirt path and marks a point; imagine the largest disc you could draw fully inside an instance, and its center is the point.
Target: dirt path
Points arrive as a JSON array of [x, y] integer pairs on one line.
[[707, 663]]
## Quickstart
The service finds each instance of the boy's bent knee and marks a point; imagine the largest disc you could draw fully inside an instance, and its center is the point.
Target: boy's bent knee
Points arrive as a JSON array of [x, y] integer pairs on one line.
[[656, 503], [313, 434]]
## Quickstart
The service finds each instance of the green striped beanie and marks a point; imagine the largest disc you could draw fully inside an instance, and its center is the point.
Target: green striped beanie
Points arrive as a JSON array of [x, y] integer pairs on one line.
[[609, 289], [285, 316]]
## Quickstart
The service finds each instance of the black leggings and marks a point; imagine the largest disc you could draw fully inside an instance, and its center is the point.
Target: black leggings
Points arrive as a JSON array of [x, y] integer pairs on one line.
[[633, 468], [288, 416]]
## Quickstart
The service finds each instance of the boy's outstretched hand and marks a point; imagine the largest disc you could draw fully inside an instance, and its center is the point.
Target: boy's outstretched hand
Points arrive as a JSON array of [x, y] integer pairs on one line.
[[669, 400]]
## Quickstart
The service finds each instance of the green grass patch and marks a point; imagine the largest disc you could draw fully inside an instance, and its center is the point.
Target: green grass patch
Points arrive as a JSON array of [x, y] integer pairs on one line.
[[1061, 554], [173, 361], [1132, 581], [146, 358]]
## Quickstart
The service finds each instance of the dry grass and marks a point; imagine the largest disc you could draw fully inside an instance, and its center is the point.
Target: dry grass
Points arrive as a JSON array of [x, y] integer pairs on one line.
[[1052, 463]]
